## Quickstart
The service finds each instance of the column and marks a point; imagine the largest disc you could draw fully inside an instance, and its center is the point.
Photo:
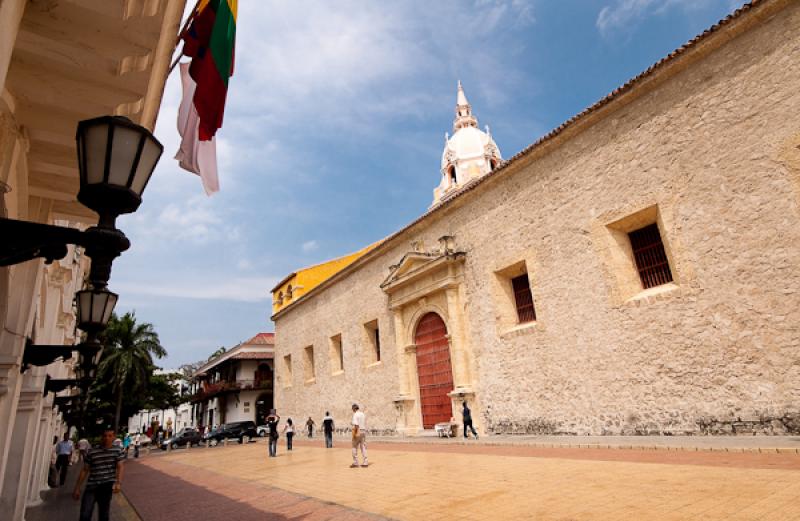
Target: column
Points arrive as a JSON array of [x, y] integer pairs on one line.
[[20, 457], [402, 356], [17, 292], [462, 377], [41, 460]]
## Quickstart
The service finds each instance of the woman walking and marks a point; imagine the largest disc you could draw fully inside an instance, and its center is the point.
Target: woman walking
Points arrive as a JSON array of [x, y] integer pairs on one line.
[[289, 430]]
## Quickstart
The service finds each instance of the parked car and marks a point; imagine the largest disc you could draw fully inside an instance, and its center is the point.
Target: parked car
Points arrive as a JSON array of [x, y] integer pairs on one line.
[[233, 430], [263, 431], [184, 436]]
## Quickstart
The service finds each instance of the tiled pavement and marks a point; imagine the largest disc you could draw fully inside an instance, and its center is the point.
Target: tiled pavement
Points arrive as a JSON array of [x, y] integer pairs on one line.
[[58, 504], [448, 481]]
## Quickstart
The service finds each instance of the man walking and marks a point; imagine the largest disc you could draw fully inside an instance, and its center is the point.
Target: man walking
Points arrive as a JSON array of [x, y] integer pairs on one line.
[[359, 424], [63, 457], [103, 466], [466, 415], [272, 423], [310, 426], [327, 428]]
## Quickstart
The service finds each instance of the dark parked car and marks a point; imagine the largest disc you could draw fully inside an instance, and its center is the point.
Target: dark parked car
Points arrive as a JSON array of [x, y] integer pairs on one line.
[[237, 430], [184, 436]]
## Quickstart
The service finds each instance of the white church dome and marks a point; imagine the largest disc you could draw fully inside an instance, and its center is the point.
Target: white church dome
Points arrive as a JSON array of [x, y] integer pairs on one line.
[[468, 142], [469, 154]]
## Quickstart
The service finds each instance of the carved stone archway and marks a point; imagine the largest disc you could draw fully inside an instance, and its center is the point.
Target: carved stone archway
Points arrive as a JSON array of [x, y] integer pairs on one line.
[[421, 283]]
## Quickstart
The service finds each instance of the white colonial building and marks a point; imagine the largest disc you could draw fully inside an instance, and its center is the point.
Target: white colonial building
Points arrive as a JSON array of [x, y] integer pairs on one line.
[[60, 62], [236, 385]]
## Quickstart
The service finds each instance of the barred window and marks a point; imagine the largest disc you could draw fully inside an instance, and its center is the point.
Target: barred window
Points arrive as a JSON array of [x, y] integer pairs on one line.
[[523, 298], [651, 259]]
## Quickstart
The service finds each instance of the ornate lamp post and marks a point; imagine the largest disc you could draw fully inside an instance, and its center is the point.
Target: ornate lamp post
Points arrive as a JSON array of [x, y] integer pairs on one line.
[[116, 159]]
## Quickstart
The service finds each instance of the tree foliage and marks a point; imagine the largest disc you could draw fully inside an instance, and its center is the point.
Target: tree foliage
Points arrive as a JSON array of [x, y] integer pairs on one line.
[[127, 365]]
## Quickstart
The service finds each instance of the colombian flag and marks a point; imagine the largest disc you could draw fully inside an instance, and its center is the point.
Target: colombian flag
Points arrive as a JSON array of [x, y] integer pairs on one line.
[[209, 40]]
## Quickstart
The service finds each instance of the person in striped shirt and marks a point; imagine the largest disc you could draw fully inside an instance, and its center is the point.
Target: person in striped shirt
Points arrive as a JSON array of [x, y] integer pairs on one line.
[[103, 466]]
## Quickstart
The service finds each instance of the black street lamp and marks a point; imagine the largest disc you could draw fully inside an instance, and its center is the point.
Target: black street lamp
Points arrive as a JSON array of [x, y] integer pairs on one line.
[[116, 158], [57, 385]]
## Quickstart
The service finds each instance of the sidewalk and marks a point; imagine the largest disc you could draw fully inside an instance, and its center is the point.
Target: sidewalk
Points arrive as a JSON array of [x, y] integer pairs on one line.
[[57, 504], [779, 444]]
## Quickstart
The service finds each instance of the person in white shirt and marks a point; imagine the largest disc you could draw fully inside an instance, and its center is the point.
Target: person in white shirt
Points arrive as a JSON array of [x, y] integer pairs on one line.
[[83, 448], [359, 424], [63, 457]]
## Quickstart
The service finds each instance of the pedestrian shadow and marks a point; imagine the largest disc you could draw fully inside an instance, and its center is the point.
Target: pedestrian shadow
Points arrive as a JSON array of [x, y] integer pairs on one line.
[[57, 503]]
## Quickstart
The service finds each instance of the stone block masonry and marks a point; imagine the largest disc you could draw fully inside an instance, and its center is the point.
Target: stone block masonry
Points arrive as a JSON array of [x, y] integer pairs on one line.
[[707, 148]]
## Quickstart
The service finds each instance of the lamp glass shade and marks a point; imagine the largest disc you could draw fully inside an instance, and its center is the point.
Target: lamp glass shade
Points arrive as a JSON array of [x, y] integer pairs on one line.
[[123, 155], [95, 308], [116, 158], [151, 152], [85, 371], [94, 148]]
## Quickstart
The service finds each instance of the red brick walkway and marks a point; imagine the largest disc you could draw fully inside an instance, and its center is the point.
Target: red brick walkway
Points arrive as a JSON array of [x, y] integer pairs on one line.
[[160, 489]]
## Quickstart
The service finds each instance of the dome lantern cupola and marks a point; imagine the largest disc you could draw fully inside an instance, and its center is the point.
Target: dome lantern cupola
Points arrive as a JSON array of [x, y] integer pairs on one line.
[[469, 154]]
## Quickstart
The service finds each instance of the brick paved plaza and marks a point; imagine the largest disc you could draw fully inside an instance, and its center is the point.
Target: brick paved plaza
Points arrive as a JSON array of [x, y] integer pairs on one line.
[[441, 481]]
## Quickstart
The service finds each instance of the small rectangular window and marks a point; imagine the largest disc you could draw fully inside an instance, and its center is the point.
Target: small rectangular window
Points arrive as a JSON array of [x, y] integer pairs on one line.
[[523, 298], [651, 259], [373, 342], [310, 372], [287, 368], [337, 354]]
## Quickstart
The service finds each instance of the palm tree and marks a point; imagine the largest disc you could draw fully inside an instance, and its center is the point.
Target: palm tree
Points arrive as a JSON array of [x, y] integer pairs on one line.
[[128, 357]]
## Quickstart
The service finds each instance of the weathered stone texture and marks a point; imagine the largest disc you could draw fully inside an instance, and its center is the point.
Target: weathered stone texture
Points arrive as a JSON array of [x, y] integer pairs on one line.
[[716, 147]]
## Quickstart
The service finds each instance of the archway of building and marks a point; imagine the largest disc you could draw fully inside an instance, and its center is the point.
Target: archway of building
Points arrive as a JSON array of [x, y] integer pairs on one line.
[[434, 370], [264, 403]]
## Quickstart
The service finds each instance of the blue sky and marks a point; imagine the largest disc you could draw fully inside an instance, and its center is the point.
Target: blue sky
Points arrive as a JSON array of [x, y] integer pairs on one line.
[[334, 131]]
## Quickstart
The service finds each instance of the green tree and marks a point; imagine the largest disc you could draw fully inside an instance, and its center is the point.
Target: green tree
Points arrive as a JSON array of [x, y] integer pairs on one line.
[[127, 362], [217, 353]]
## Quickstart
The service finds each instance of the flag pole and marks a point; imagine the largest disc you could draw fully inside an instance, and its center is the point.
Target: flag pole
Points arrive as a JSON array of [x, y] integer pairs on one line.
[[180, 35]]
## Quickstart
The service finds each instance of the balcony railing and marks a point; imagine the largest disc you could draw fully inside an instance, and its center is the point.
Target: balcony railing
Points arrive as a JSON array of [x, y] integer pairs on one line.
[[210, 390]]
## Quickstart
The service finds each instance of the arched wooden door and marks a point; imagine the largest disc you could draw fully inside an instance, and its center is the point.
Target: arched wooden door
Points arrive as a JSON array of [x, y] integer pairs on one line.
[[434, 370]]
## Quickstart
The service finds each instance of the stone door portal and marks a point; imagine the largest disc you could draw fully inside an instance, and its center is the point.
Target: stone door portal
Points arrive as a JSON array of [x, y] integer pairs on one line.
[[434, 370]]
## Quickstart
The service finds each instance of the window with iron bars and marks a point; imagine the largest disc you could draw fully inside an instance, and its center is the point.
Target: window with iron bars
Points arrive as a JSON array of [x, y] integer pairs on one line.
[[523, 299], [651, 259]]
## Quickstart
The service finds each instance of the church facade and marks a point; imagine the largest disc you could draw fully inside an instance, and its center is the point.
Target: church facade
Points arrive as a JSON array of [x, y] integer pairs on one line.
[[634, 271]]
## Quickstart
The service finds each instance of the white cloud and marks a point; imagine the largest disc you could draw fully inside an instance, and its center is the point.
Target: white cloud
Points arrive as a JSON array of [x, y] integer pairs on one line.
[[195, 221], [310, 246], [625, 14], [243, 289], [346, 63]]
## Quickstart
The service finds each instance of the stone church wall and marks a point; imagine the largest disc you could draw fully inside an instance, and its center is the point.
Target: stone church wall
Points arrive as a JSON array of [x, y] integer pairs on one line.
[[713, 156]]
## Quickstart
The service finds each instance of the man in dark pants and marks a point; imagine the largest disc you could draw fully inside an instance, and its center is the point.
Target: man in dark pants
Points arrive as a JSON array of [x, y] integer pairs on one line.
[[103, 466], [63, 457], [327, 428], [272, 423], [467, 416]]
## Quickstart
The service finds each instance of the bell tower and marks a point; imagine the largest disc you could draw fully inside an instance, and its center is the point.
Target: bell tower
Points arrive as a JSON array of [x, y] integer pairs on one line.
[[469, 154]]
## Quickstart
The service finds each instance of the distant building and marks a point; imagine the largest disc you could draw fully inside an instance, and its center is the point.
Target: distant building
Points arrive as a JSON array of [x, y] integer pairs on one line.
[[634, 271], [236, 385], [173, 419]]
